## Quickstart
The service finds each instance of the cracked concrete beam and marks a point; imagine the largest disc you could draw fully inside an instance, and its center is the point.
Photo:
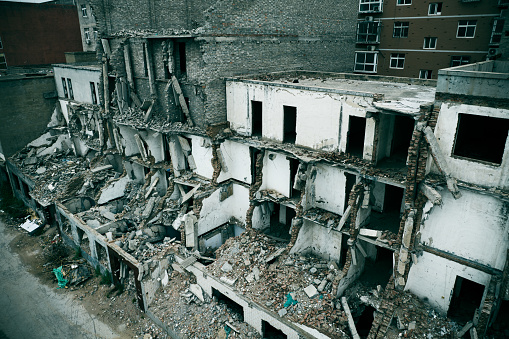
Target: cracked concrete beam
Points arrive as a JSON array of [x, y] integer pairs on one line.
[[181, 100], [149, 111], [407, 231], [344, 218], [134, 97], [141, 147], [106, 90], [431, 193], [351, 323], [441, 161], [116, 136], [150, 70], [151, 188], [106, 47], [361, 249], [189, 194], [184, 144], [220, 157], [192, 163], [128, 69]]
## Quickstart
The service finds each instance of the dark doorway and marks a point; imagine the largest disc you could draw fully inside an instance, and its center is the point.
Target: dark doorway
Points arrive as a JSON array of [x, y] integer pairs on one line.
[[393, 199], [365, 321], [378, 271], [466, 298], [350, 182], [270, 332], [355, 138], [290, 124], [232, 305], [402, 135], [256, 123], [294, 166], [180, 58], [279, 226]]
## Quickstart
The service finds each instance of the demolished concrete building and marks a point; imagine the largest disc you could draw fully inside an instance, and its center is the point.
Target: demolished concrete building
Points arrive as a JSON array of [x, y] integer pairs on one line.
[[317, 205]]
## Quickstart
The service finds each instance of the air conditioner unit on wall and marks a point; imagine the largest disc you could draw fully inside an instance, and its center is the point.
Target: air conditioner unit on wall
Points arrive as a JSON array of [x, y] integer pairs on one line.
[[493, 51], [369, 18]]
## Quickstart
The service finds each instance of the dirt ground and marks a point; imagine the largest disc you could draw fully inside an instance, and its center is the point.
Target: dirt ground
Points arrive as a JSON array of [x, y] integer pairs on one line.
[[118, 310]]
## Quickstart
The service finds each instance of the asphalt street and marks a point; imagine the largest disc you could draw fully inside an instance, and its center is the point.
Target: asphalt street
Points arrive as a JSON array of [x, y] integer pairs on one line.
[[29, 309]]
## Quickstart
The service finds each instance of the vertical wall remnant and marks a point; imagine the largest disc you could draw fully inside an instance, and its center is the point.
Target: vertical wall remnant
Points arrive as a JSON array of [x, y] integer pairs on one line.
[[216, 164], [255, 186]]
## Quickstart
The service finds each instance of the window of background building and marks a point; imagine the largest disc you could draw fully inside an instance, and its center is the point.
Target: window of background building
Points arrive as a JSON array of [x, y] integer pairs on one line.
[[92, 92], [87, 35], [425, 74], [64, 87], [367, 31], [466, 28], [397, 60], [400, 29], [366, 62], [84, 11], [430, 43], [69, 87], [369, 6], [458, 60], [496, 33], [3, 61], [404, 2], [481, 137], [1, 46], [435, 8]]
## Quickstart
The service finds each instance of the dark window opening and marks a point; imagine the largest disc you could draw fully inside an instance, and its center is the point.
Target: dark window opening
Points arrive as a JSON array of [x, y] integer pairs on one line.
[[180, 58], [145, 66], [344, 251], [365, 321], [92, 92], [378, 271], [294, 166], [146, 170], [355, 137], [402, 135], [466, 298], [236, 309], [254, 154], [64, 86], [281, 222], [481, 138], [393, 199], [350, 182], [256, 111], [290, 124], [389, 219], [501, 325], [69, 85], [269, 331], [166, 148]]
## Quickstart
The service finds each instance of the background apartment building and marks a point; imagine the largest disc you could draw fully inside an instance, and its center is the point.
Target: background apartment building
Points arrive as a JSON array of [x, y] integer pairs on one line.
[[412, 38]]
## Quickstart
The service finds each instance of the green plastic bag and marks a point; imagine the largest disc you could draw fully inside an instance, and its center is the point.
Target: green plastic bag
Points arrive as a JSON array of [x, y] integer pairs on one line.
[[61, 280]]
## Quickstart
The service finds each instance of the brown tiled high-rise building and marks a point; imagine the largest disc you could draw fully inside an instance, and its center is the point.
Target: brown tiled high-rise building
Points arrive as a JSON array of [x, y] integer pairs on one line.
[[412, 38]]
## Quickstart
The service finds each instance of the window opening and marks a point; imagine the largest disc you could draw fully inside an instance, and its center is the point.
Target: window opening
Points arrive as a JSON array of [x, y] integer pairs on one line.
[[481, 137], [458, 60], [400, 29], [466, 28], [397, 60], [84, 11], [280, 222], [425, 74], [350, 182], [64, 86], [294, 166], [180, 56], [355, 136], [256, 116], [368, 6], [366, 62], [289, 124], [430, 43], [393, 198], [254, 152], [364, 321], [496, 33], [367, 32], [269, 331], [87, 35], [435, 8], [235, 308], [404, 2], [3, 61], [69, 85], [1, 45], [466, 298], [402, 135], [92, 92]]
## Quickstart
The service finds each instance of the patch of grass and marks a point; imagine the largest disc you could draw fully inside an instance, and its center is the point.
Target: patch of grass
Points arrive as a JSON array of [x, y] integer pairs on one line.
[[13, 207]]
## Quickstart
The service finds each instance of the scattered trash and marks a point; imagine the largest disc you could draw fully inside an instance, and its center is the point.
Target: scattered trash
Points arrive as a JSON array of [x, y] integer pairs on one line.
[[62, 282], [290, 301]]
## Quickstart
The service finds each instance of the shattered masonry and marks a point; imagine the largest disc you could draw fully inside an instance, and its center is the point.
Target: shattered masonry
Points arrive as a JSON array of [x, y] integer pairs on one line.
[[305, 234]]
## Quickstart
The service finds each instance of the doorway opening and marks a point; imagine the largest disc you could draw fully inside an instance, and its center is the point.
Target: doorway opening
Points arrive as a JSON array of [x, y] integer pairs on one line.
[[269, 331], [236, 309], [289, 124], [355, 138], [466, 298]]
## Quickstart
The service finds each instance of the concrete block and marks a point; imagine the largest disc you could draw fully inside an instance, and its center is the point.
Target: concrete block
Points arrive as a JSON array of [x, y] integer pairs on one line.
[[370, 233], [226, 267], [282, 312], [311, 291], [113, 191], [197, 291], [228, 281]]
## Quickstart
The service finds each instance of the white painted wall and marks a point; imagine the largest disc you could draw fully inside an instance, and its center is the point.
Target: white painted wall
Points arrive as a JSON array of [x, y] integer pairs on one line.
[[433, 277], [127, 140], [201, 149], [215, 213], [471, 171], [315, 238], [329, 188], [238, 162], [80, 79], [276, 173], [474, 227]]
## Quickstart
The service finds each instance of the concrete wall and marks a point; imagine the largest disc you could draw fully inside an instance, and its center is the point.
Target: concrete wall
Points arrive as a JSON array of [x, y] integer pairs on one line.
[[26, 106], [276, 173], [329, 189], [315, 239], [237, 159], [471, 170], [81, 77]]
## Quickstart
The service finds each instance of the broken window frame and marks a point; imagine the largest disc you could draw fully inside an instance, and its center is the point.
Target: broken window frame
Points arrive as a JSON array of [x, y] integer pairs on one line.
[[368, 32], [397, 61], [466, 29], [425, 73], [84, 11], [69, 85], [86, 32], [400, 29], [3, 61], [435, 8], [497, 31], [363, 65], [370, 6], [459, 60], [64, 86]]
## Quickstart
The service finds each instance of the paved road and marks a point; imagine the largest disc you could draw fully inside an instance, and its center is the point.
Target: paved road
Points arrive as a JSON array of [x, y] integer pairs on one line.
[[29, 309]]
